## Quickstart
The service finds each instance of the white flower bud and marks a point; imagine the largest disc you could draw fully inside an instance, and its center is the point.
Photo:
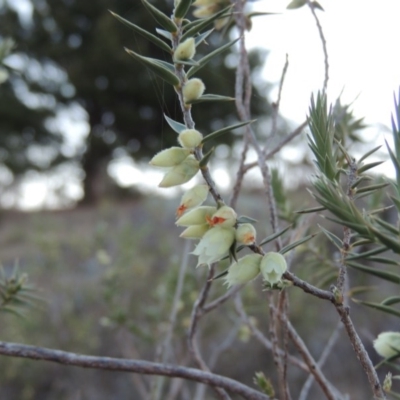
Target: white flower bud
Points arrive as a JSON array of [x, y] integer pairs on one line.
[[246, 234], [193, 89], [198, 216], [190, 138], [192, 198], [245, 270], [387, 344], [181, 173], [170, 157], [185, 50], [214, 245], [205, 11], [273, 265], [224, 217], [195, 231]]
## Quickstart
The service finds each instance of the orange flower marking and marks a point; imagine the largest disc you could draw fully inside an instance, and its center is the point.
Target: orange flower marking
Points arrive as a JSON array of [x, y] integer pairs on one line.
[[180, 210]]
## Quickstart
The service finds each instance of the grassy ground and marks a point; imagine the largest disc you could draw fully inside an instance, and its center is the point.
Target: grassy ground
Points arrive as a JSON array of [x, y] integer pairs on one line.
[[107, 277]]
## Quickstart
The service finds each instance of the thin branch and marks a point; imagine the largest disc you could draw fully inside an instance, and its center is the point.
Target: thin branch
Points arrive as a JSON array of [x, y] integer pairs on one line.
[[321, 361], [276, 105], [222, 299], [192, 340], [309, 360], [361, 353], [323, 41], [260, 336], [278, 354], [135, 366], [164, 349]]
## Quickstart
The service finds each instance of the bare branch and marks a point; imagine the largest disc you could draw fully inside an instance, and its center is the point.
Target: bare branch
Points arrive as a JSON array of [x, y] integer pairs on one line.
[[324, 356], [361, 353], [260, 336], [309, 360], [192, 341], [323, 41], [164, 350], [136, 366], [276, 105]]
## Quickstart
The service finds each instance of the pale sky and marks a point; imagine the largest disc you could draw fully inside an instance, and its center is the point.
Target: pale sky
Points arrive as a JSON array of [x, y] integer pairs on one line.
[[362, 42]]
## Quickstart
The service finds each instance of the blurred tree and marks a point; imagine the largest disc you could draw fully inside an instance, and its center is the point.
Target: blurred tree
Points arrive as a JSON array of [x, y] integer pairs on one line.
[[86, 42]]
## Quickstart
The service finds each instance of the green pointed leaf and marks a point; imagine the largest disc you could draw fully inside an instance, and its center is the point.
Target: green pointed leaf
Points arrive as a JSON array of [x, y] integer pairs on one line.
[[384, 260], [195, 27], [260, 14], [160, 17], [391, 228], [208, 57], [366, 167], [380, 307], [310, 210], [182, 8], [244, 219], [366, 254], [291, 246], [390, 242], [396, 202], [222, 131], [332, 238], [223, 273], [211, 97], [386, 275], [160, 68], [372, 188], [232, 252], [201, 38], [154, 39], [366, 155], [176, 126], [190, 63], [391, 300], [274, 236], [206, 158], [164, 33], [296, 4]]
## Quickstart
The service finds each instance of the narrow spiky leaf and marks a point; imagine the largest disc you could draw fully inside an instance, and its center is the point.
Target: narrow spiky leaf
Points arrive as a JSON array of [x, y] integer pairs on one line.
[[149, 36], [366, 155], [182, 8], [160, 17], [160, 68], [391, 300], [293, 245], [332, 238], [206, 158], [176, 126], [380, 307], [368, 166], [274, 236], [202, 62], [222, 131], [211, 97], [386, 275], [201, 38]]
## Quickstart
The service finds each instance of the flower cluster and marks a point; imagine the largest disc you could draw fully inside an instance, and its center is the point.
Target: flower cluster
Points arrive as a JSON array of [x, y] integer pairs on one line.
[[271, 266]]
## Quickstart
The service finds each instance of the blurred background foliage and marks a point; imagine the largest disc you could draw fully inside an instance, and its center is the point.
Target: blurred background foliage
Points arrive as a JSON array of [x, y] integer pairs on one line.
[[70, 54]]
